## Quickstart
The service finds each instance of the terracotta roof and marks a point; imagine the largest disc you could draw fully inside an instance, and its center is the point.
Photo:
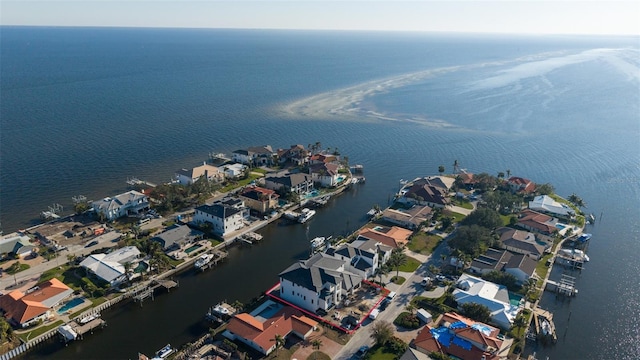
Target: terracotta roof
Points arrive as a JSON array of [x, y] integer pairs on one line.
[[536, 221], [379, 237], [26, 307], [262, 333]]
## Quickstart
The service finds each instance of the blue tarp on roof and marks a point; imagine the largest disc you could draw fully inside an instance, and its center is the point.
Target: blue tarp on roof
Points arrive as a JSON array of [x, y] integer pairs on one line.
[[442, 336], [482, 328], [462, 343], [458, 325]]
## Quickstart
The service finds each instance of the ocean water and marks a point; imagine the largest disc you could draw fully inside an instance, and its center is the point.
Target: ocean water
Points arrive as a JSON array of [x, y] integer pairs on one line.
[[82, 109]]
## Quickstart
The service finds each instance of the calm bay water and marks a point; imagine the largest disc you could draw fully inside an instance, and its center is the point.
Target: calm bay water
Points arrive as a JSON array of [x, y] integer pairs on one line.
[[83, 109]]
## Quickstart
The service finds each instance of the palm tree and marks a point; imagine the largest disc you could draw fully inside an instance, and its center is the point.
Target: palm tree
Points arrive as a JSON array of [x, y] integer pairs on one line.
[[381, 332], [380, 271], [317, 343], [279, 340], [237, 305], [411, 308], [397, 259], [456, 168], [576, 200], [508, 173], [441, 169]]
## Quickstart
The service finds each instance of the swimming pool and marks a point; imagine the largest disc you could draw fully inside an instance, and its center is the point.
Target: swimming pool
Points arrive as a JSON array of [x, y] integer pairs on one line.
[[514, 299], [311, 194], [193, 248], [561, 226], [70, 305]]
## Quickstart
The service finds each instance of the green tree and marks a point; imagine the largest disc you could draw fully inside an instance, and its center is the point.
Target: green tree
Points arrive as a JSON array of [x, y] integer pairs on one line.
[[80, 207], [6, 331], [500, 175], [411, 308], [472, 240], [477, 312], [397, 259], [441, 169], [501, 278], [485, 217], [439, 356], [577, 201], [316, 344], [545, 189], [381, 332], [279, 342]]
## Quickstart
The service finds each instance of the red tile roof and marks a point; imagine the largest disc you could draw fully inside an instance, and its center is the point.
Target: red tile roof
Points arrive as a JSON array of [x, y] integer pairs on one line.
[[262, 333], [22, 308], [536, 220]]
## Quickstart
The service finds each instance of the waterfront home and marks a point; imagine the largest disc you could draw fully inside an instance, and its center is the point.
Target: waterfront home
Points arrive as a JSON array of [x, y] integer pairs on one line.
[[209, 172], [520, 242], [259, 199], [362, 260], [258, 328], [296, 183], [224, 217], [521, 185], [233, 171], [394, 236], [467, 180], [537, 222], [463, 338], [255, 155], [471, 289], [323, 158], [16, 243], [324, 174], [411, 218], [27, 308], [320, 282], [131, 203], [547, 204], [111, 267], [431, 191], [521, 266], [413, 354], [296, 155], [177, 236]]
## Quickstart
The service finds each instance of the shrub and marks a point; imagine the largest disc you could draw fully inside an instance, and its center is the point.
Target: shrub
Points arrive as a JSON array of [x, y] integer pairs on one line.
[[407, 320], [396, 346]]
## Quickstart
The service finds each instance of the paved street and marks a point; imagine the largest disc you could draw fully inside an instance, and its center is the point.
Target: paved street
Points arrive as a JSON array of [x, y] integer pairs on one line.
[[408, 290]]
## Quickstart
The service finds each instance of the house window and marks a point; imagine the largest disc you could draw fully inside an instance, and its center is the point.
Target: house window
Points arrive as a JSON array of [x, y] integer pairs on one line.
[[292, 292], [304, 298], [311, 301]]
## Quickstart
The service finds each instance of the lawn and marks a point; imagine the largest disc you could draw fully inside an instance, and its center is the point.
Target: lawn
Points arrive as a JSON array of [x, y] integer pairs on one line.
[[410, 266], [94, 303], [465, 204], [379, 353], [506, 219], [424, 243], [542, 268], [14, 269], [240, 183], [39, 331], [259, 170], [457, 217], [398, 280], [214, 242]]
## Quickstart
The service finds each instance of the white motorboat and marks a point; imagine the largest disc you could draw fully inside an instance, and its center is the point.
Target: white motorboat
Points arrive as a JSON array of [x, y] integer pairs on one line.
[[203, 260], [305, 215]]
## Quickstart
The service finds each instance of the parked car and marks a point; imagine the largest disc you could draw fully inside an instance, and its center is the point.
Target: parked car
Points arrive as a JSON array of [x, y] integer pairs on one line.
[[374, 314], [93, 243], [362, 352], [441, 278]]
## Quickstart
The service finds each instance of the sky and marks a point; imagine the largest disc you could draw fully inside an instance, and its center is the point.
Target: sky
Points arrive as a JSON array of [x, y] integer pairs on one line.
[[472, 16]]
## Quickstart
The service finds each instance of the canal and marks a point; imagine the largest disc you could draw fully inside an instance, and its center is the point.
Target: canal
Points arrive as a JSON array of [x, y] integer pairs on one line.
[[178, 317]]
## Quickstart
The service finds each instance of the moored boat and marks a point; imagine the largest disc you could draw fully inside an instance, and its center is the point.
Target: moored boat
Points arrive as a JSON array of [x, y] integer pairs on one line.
[[203, 260], [305, 215]]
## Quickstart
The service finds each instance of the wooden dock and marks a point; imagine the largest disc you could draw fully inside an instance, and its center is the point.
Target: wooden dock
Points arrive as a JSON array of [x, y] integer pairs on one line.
[[218, 256], [545, 333], [82, 329], [148, 291]]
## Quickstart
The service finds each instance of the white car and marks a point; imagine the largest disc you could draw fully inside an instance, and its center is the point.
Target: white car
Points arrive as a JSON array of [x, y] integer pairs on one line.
[[374, 314]]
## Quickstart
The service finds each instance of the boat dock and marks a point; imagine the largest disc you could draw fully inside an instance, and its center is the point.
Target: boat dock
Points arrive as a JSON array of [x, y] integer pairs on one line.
[[89, 326], [148, 291], [221, 312], [545, 328], [133, 181], [218, 255], [566, 286], [249, 237]]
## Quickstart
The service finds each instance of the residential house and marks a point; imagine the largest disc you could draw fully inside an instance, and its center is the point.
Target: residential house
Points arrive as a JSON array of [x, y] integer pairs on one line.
[[520, 242], [16, 243], [259, 199], [412, 218], [424, 192], [234, 171], [325, 174], [519, 265], [126, 204], [522, 185], [223, 217], [296, 155], [471, 289], [523, 267], [462, 338], [254, 156], [209, 172], [111, 267], [297, 183], [537, 222], [323, 158], [320, 282], [547, 204], [467, 180], [23, 309], [363, 260], [413, 354], [394, 236], [258, 328], [177, 236]]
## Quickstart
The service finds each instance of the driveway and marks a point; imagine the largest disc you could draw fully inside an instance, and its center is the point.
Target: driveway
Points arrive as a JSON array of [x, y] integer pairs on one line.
[[328, 347]]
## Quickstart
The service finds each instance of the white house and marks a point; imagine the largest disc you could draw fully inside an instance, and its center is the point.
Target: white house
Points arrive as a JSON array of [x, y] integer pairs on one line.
[[319, 282], [362, 261], [256, 155], [16, 243], [210, 172], [471, 289], [325, 174], [234, 171], [297, 183], [111, 267], [224, 218], [129, 203], [547, 204]]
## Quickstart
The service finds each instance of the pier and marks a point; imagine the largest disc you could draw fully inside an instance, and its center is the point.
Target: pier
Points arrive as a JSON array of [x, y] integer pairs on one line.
[[133, 181], [141, 294], [249, 237], [545, 328]]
